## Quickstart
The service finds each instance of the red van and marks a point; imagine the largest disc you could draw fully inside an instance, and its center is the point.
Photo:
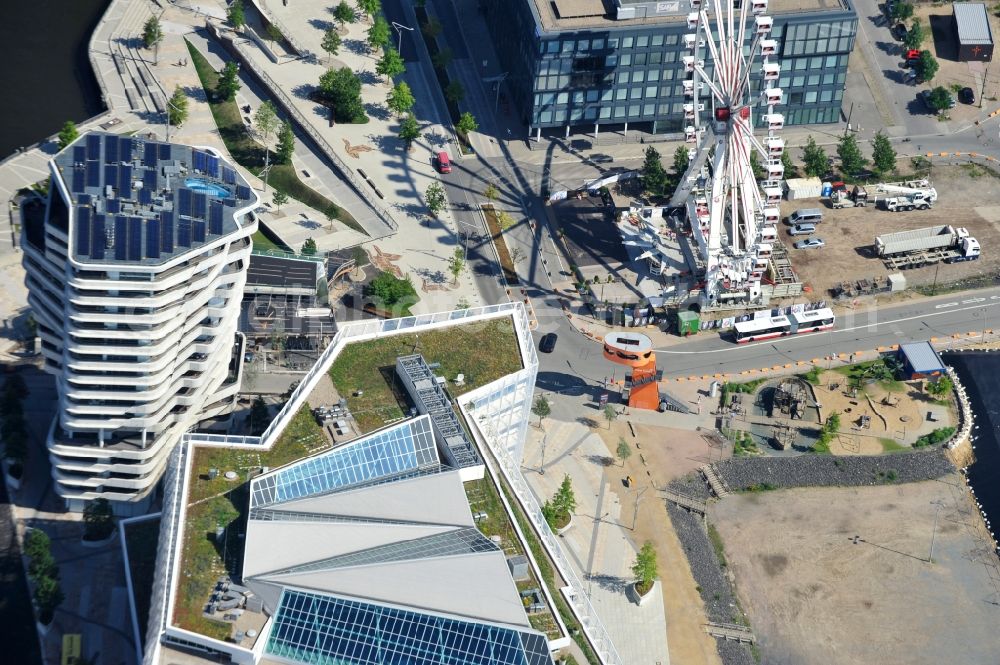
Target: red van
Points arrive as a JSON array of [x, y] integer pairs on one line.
[[443, 162]]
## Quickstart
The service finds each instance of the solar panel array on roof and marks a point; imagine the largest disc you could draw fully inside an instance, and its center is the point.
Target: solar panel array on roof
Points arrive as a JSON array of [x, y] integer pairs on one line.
[[212, 166], [93, 173], [110, 174], [83, 230], [167, 231], [198, 232], [215, 218], [183, 232], [149, 179], [199, 202], [93, 146], [184, 201], [164, 152], [98, 238], [149, 154], [153, 238], [77, 184], [84, 199], [113, 206], [134, 239], [125, 148], [198, 159], [110, 149], [145, 196], [120, 235], [79, 154], [242, 192], [125, 182], [228, 175]]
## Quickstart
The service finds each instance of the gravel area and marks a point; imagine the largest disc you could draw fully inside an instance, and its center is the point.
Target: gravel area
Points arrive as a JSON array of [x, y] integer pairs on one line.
[[715, 590], [740, 473], [692, 485]]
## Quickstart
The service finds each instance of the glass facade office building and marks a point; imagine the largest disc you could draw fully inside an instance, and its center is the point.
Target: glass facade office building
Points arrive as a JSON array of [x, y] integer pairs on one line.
[[598, 71]]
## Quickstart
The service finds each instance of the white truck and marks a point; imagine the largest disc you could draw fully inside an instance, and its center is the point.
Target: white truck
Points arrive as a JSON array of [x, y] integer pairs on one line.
[[921, 188], [921, 247], [904, 202], [856, 198]]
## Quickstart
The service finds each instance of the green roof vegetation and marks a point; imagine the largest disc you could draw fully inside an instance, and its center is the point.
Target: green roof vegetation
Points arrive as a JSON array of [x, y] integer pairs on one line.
[[223, 503], [483, 352]]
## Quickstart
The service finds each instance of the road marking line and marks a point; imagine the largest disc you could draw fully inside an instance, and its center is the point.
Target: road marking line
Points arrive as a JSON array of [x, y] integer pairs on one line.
[[947, 304]]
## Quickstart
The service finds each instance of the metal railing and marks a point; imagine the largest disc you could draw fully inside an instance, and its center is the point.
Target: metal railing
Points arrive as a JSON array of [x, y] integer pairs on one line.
[[286, 255], [286, 102]]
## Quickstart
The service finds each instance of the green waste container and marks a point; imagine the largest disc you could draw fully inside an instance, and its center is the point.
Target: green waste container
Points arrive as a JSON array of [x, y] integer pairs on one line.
[[688, 323]]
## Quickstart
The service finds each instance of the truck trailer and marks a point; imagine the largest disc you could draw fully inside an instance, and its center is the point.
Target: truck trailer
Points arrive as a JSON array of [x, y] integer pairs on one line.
[[921, 247]]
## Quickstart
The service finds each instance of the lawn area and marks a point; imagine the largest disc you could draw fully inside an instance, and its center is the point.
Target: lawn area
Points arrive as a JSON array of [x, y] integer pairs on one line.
[[263, 243], [142, 539], [250, 154], [219, 502], [891, 446], [370, 367]]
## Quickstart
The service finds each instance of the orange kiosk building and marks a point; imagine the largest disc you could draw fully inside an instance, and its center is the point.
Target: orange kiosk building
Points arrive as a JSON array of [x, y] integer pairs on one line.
[[635, 351]]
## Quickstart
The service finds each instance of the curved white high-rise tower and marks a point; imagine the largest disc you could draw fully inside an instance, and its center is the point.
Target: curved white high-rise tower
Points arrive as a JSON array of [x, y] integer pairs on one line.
[[135, 275], [732, 217]]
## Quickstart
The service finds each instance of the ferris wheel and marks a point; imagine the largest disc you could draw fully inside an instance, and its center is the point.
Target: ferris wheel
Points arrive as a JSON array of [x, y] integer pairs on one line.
[[733, 217]]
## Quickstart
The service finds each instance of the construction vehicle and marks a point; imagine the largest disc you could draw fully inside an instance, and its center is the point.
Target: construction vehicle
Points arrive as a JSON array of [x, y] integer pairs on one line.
[[921, 188], [904, 203], [921, 247], [842, 198]]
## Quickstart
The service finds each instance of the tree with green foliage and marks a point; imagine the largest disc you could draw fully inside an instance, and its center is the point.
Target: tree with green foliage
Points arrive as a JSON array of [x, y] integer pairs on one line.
[[456, 264], [273, 33], [466, 123], [442, 59], [939, 99], [682, 157], [48, 597], [177, 107], [390, 65], [883, 154], [927, 66], [229, 82], [915, 36], [491, 192], [431, 28], [331, 43], [815, 159], [36, 543], [308, 247], [400, 99], [236, 15], [624, 451], [67, 134], [279, 199], [610, 414], [342, 89], [389, 290], [902, 11], [941, 387], [152, 36], [266, 121], [541, 408], [565, 499], [369, 7], [788, 164], [286, 143], [654, 176], [454, 92], [378, 34], [260, 415], [435, 198], [409, 130], [849, 152], [644, 568], [344, 14], [755, 166], [98, 520]]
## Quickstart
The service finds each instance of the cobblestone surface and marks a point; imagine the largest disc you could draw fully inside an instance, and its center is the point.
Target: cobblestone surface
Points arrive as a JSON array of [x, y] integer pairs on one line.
[[826, 470], [716, 591]]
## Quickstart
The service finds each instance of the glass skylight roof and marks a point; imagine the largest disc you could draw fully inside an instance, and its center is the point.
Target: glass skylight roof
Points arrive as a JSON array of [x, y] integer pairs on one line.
[[404, 448], [326, 630], [449, 543]]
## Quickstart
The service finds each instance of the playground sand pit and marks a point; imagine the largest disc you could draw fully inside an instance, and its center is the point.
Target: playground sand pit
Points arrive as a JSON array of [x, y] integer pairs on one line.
[[815, 597], [897, 413]]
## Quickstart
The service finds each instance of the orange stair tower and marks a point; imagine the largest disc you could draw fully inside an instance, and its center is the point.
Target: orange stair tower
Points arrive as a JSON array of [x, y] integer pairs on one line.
[[635, 351]]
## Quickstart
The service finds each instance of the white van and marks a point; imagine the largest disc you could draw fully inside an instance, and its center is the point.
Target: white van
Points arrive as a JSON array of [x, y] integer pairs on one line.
[[806, 216]]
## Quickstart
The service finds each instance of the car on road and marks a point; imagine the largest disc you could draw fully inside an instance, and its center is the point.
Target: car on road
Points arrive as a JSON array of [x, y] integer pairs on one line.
[[548, 343], [810, 243], [967, 96], [925, 97], [802, 229], [899, 31], [443, 162]]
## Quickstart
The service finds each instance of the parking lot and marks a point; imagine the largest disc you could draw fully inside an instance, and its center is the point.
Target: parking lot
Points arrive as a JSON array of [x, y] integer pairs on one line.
[[849, 233]]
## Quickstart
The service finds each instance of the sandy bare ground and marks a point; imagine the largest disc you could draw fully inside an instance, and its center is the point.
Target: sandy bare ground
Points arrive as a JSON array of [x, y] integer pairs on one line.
[[815, 597], [849, 233]]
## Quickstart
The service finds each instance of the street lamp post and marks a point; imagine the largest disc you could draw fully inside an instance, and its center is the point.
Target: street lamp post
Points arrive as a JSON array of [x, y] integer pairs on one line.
[[166, 115], [399, 35], [498, 80]]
